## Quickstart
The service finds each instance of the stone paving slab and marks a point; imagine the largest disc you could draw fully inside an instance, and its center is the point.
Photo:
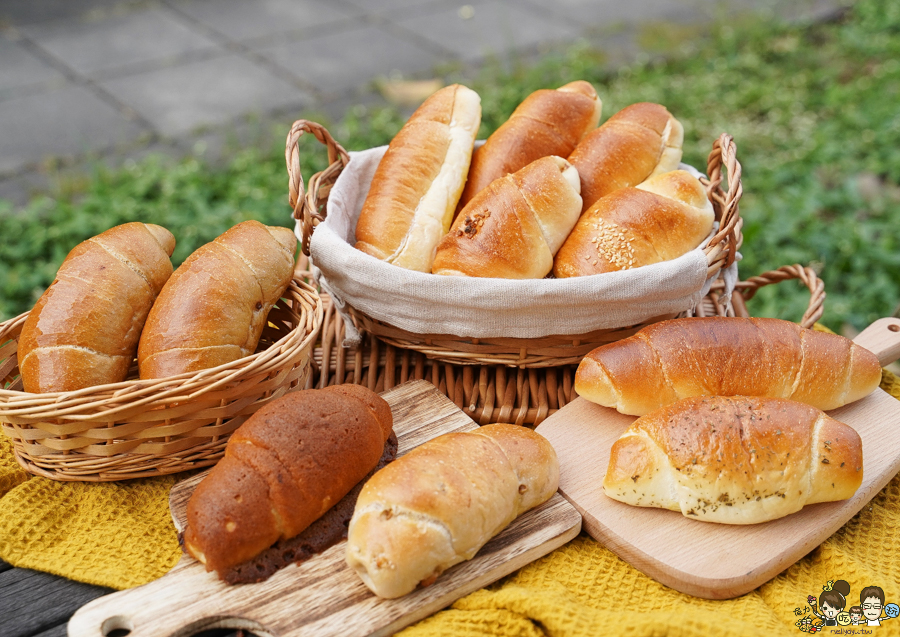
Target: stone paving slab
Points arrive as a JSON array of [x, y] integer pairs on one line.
[[391, 6], [334, 64], [23, 12], [598, 14], [19, 69], [179, 99], [247, 19], [67, 121], [487, 29], [112, 41]]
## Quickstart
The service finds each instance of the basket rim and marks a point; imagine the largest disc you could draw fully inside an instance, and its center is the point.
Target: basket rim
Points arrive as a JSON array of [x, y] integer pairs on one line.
[[78, 404]]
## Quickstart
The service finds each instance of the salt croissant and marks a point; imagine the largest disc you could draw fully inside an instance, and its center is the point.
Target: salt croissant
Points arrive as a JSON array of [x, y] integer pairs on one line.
[[636, 143], [512, 228], [440, 503], [547, 122], [419, 179], [661, 219], [214, 307], [734, 460], [716, 356], [84, 329], [284, 468]]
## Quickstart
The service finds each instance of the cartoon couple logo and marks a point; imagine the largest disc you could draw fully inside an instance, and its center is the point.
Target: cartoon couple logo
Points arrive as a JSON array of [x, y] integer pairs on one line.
[[833, 601]]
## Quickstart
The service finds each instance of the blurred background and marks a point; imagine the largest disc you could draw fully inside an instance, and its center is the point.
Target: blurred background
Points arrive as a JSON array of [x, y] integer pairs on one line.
[[175, 112]]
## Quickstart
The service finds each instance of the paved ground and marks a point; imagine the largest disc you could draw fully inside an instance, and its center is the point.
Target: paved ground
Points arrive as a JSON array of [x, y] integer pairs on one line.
[[82, 79]]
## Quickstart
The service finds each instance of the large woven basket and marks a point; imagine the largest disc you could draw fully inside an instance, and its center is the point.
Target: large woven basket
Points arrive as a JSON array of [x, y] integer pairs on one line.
[[136, 428], [498, 393], [547, 351]]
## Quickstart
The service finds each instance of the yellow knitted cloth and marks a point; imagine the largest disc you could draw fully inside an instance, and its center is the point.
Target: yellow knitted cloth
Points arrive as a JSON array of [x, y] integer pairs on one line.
[[120, 535], [116, 534]]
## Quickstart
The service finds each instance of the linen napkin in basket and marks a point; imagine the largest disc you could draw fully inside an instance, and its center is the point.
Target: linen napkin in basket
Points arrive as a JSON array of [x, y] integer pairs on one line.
[[475, 307], [120, 535], [115, 534]]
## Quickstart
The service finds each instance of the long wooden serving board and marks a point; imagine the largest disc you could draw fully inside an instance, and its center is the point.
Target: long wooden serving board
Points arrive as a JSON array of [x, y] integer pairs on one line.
[[323, 596], [718, 561]]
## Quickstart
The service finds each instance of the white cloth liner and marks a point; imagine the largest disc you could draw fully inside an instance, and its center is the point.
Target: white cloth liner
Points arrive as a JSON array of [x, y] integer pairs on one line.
[[483, 308]]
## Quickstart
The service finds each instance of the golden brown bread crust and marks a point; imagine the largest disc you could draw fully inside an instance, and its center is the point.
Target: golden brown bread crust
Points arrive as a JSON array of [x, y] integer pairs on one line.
[[634, 144], [512, 228], [418, 182], [84, 329], [440, 503], [675, 359], [283, 468], [214, 307], [322, 534], [661, 219], [734, 460], [547, 122]]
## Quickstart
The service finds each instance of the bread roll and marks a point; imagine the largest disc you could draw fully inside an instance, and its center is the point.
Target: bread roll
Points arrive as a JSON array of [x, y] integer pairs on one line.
[[734, 460], [636, 143], [548, 122], [419, 180], [512, 228], [440, 503], [214, 308], [283, 468], [661, 219], [84, 329], [716, 356]]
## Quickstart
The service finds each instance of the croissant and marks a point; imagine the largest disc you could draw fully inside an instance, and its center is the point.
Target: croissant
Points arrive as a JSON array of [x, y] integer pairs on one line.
[[84, 329], [547, 122], [284, 468], [734, 460], [440, 503], [512, 228], [636, 143], [214, 307], [418, 182], [717, 356], [660, 219]]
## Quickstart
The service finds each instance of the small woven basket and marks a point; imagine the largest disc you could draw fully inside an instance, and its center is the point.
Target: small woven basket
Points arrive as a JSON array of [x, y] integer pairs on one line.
[[546, 351], [497, 393], [142, 428]]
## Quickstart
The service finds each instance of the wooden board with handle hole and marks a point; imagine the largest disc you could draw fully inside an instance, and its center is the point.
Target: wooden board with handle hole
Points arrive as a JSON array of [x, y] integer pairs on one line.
[[323, 596], [718, 561]]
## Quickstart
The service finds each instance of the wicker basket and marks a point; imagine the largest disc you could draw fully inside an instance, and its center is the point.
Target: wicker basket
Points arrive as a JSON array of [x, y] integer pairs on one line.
[[547, 351], [496, 393], [135, 428]]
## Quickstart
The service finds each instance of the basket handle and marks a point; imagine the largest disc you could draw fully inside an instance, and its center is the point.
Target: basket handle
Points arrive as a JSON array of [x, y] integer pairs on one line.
[[722, 248], [816, 287], [309, 205]]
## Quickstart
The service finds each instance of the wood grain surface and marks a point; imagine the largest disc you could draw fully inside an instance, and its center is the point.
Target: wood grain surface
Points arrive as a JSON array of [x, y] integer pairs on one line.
[[36, 604], [718, 561], [323, 596]]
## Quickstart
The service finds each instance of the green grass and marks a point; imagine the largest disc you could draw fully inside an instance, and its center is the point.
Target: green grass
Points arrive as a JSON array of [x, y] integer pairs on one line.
[[815, 112]]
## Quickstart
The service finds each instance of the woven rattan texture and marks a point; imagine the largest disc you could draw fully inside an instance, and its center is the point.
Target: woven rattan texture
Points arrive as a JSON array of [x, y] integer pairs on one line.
[[155, 427]]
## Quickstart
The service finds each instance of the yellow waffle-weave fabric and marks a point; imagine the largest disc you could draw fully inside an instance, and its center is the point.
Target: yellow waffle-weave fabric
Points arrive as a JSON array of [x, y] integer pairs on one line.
[[120, 535], [113, 534]]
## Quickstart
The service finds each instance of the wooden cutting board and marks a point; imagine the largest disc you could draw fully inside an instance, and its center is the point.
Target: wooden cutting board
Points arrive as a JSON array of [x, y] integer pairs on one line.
[[718, 561], [323, 596]]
